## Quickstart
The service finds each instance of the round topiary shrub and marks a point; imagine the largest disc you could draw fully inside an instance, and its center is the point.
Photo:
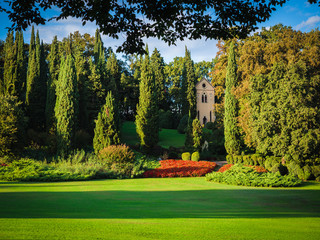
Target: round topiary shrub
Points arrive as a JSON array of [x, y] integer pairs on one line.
[[195, 156], [186, 156]]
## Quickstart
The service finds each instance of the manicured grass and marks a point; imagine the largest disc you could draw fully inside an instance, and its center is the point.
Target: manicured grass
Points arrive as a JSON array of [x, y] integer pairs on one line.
[[167, 137], [179, 208]]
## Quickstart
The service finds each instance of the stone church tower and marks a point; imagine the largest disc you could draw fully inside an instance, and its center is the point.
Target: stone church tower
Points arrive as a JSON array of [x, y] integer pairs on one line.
[[205, 101]]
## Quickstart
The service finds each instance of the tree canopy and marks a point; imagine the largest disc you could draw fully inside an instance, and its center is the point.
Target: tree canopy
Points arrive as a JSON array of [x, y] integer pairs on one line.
[[168, 20]]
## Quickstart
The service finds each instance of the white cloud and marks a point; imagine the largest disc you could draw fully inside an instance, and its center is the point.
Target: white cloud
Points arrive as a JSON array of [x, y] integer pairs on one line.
[[310, 23]]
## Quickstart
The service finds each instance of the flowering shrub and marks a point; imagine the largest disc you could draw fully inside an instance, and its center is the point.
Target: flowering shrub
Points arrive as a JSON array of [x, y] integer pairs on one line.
[[181, 168], [255, 168]]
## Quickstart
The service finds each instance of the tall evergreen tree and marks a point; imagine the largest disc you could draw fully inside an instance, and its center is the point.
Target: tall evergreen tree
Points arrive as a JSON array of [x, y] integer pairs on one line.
[[157, 63], [114, 75], [66, 105], [36, 84], [147, 118], [107, 130], [190, 79], [9, 76], [231, 130], [82, 69], [197, 134], [189, 135], [54, 67], [99, 57], [96, 94], [21, 70]]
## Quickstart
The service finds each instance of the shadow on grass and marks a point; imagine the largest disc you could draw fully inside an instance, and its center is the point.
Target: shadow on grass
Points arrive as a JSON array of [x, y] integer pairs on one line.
[[236, 203]]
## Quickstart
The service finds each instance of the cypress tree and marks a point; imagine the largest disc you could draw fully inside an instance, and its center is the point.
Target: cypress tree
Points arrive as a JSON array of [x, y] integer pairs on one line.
[[157, 63], [66, 104], [36, 84], [96, 94], [106, 131], [99, 57], [54, 67], [147, 118], [114, 74], [231, 130], [9, 76], [190, 79], [197, 135], [183, 93], [21, 71], [189, 135]]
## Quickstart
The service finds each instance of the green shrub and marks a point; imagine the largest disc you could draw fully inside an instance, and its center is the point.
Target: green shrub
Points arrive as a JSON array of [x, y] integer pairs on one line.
[[315, 171], [119, 159], [76, 166], [186, 156], [195, 156], [183, 124], [246, 176], [229, 159], [12, 125], [283, 170], [302, 173]]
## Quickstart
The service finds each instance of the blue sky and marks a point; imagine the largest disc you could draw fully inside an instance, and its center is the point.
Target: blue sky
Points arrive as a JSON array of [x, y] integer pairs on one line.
[[298, 14]]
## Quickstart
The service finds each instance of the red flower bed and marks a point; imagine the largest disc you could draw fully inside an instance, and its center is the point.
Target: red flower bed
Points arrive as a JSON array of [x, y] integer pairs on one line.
[[180, 168], [255, 168], [225, 167], [3, 165]]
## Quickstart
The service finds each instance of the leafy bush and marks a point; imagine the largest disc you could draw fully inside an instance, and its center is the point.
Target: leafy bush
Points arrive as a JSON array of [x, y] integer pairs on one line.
[[195, 156], [246, 176], [180, 168], [119, 159], [295, 170], [186, 156], [12, 125], [183, 124], [77, 166]]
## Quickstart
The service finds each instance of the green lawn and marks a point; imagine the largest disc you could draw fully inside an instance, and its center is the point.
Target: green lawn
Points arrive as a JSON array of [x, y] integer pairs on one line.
[[167, 137], [179, 208]]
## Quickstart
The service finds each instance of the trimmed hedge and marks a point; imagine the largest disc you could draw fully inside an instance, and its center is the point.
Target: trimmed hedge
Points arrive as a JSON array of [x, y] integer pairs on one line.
[[247, 176]]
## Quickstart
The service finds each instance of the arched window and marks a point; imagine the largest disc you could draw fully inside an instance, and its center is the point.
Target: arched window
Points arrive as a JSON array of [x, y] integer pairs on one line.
[[204, 98], [210, 117]]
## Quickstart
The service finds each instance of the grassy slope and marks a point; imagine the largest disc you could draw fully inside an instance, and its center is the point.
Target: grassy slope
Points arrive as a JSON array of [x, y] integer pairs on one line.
[[167, 137], [181, 208]]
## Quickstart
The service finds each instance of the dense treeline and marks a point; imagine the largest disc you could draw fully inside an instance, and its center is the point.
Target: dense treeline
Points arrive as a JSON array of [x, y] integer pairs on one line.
[[277, 93], [70, 89]]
